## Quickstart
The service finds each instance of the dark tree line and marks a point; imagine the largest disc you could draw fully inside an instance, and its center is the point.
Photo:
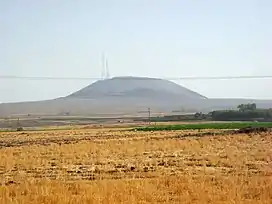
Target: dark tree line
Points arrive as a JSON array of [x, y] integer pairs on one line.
[[247, 107], [245, 112]]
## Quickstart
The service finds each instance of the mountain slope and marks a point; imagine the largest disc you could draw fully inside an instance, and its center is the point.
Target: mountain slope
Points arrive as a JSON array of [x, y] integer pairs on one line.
[[135, 87]]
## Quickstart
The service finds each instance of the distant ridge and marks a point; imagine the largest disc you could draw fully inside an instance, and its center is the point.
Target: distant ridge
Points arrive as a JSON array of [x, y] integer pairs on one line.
[[127, 95]]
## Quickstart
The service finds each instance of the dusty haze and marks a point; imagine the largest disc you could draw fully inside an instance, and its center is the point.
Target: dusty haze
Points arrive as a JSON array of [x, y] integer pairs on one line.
[[163, 39]]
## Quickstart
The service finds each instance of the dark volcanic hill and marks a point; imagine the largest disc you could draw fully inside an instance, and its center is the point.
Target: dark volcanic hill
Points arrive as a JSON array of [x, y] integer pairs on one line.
[[127, 95], [135, 87]]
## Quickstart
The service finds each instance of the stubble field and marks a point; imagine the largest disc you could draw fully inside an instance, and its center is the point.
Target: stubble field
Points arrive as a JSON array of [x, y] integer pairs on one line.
[[117, 166]]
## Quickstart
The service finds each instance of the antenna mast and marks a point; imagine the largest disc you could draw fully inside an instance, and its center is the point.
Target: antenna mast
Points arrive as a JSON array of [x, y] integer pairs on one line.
[[103, 66], [105, 73], [107, 70]]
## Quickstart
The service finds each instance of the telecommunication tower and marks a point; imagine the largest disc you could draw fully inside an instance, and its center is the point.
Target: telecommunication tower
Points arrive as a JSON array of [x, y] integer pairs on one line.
[[105, 73]]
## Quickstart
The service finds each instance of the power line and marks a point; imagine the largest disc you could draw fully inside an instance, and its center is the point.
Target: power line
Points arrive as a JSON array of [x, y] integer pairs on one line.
[[98, 78], [224, 77], [47, 78]]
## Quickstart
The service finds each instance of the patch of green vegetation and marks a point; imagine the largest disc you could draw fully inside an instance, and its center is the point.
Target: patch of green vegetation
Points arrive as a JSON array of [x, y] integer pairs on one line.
[[34, 129], [7, 130], [199, 126]]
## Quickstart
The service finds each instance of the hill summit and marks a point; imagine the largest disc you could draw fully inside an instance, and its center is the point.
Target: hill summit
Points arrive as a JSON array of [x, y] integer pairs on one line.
[[136, 87]]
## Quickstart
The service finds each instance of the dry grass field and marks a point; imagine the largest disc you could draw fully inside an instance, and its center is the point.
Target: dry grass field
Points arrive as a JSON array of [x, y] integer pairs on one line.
[[116, 166]]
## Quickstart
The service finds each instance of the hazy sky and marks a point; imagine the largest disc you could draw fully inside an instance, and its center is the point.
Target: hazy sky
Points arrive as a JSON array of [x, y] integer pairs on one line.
[[156, 38]]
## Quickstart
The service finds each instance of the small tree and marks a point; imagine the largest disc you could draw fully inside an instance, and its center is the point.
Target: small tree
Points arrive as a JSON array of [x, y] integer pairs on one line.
[[253, 106], [241, 107], [198, 115]]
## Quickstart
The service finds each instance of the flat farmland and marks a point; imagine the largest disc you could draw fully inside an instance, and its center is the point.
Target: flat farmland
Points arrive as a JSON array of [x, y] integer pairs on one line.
[[112, 165]]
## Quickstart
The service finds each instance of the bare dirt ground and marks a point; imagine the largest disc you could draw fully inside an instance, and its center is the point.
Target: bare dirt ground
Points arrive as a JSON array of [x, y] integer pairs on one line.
[[105, 165]]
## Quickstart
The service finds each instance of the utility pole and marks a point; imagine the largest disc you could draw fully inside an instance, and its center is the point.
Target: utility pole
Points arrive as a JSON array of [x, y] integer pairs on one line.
[[149, 116], [19, 128]]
